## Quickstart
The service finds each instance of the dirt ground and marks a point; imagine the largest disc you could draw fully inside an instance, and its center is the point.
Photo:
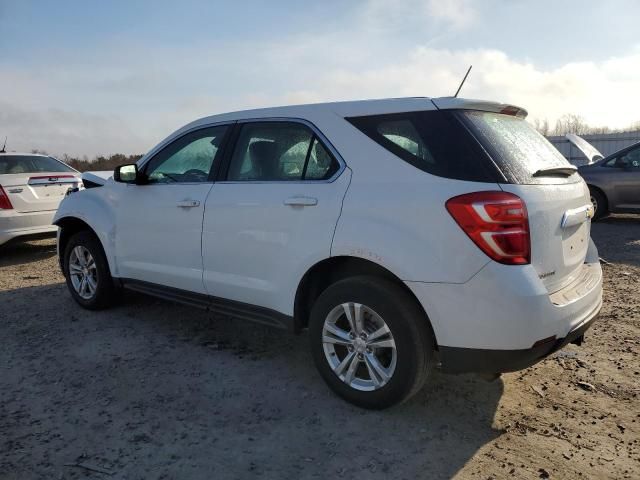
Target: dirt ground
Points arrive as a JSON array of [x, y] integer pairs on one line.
[[153, 390]]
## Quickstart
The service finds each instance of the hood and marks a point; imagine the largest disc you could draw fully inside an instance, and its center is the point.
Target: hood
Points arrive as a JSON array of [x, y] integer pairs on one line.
[[96, 178], [588, 150]]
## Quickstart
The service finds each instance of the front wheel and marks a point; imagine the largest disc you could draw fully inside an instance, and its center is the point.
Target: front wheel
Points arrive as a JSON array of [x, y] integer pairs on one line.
[[87, 272], [371, 342]]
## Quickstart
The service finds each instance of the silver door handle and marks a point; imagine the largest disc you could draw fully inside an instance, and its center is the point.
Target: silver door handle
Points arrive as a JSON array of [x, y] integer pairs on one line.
[[188, 203], [301, 201]]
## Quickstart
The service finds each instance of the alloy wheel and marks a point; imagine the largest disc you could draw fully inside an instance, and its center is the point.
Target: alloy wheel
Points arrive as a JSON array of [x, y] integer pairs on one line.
[[359, 346], [83, 272]]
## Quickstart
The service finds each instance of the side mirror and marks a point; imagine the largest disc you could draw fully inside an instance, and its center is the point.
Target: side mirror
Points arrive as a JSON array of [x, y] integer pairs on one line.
[[126, 173]]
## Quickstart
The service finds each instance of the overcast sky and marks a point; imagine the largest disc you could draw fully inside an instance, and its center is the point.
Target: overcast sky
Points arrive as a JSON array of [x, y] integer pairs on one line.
[[87, 78]]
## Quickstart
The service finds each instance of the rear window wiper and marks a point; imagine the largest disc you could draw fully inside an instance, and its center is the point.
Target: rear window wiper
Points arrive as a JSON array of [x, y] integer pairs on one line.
[[565, 171]]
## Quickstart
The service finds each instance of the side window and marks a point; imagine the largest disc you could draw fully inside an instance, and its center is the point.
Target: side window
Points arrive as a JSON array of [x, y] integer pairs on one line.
[[321, 164], [188, 159], [630, 159], [279, 151], [434, 141]]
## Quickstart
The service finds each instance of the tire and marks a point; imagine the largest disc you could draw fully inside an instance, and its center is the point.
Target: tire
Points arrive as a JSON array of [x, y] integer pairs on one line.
[[103, 293], [599, 202], [410, 332]]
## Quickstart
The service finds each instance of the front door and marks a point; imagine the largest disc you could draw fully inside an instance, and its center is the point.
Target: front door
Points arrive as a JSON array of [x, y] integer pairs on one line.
[[628, 179], [159, 224]]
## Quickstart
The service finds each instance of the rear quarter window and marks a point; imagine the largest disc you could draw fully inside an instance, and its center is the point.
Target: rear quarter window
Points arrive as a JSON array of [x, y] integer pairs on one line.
[[433, 141]]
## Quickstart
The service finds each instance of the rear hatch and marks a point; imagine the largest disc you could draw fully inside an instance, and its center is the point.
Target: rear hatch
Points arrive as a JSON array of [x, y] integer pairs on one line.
[[556, 197], [40, 185]]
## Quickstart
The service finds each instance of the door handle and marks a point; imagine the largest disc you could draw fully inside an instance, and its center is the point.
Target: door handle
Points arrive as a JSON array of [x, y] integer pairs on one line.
[[188, 203], [301, 201]]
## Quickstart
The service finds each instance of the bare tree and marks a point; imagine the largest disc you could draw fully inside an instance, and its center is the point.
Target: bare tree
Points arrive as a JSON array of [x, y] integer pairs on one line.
[[571, 123], [542, 126]]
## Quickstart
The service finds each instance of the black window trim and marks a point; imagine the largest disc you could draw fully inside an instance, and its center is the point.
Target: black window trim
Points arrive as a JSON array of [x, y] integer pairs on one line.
[[316, 134]]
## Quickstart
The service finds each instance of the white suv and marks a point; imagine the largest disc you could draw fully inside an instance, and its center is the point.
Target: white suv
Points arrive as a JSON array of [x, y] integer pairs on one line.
[[405, 234]]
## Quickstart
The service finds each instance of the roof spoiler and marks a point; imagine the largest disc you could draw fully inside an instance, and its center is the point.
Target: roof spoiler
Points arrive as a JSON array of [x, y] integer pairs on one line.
[[451, 103]]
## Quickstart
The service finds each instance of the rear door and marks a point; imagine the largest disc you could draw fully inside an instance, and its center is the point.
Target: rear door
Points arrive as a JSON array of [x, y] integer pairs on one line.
[[159, 224], [272, 215], [35, 183], [556, 197]]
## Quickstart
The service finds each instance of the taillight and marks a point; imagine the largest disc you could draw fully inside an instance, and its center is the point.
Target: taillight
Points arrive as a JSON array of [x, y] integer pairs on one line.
[[5, 203], [496, 222]]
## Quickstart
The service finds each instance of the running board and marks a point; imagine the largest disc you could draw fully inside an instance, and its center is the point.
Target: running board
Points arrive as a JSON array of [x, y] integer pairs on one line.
[[222, 306]]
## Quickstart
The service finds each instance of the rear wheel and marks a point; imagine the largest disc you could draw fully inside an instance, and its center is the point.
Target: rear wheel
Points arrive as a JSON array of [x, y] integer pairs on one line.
[[87, 272], [599, 203], [371, 342]]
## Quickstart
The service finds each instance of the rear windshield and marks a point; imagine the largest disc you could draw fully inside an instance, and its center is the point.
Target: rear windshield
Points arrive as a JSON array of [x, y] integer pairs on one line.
[[433, 141], [30, 164], [516, 147]]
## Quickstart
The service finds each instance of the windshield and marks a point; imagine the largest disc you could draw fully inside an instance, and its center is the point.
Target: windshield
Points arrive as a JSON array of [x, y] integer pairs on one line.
[[516, 147], [31, 164]]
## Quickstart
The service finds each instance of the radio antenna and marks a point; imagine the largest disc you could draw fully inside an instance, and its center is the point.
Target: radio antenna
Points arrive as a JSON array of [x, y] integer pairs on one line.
[[4, 146], [463, 80]]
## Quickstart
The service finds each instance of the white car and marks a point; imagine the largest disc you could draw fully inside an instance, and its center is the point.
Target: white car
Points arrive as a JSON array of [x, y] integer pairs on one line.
[[31, 188], [404, 234]]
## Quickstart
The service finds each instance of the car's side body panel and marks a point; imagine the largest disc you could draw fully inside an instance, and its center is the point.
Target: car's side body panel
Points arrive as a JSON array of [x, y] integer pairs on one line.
[[97, 208], [621, 187], [389, 229], [256, 248], [159, 233]]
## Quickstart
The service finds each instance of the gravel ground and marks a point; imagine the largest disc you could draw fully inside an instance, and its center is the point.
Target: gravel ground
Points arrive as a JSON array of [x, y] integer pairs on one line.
[[153, 390]]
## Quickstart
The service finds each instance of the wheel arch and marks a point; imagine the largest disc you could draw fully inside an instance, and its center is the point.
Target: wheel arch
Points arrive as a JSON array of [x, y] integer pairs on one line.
[[330, 270], [69, 226]]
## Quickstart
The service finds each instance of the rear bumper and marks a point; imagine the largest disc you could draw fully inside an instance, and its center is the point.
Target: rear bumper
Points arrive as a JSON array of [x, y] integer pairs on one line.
[[504, 319], [14, 224], [461, 360]]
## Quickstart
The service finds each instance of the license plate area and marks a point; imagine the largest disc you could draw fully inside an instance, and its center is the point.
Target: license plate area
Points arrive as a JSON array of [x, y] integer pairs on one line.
[[575, 242]]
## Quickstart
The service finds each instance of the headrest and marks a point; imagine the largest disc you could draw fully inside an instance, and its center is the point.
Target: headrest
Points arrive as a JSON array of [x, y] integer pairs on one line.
[[263, 159], [262, 150]]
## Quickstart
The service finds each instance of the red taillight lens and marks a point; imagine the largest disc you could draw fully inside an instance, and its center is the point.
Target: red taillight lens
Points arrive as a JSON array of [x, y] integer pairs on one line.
[[5, 203], [496, 222]]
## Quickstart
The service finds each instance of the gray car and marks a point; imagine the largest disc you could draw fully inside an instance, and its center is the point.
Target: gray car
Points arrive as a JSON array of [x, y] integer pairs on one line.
[[614, 181]]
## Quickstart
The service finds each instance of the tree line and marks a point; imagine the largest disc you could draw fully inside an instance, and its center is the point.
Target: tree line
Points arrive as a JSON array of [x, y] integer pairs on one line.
[[571, 123], [98, 163]]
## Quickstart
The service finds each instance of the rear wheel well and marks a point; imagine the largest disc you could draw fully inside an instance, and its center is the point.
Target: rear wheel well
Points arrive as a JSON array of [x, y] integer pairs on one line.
[[325, 273], [68, 227]]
